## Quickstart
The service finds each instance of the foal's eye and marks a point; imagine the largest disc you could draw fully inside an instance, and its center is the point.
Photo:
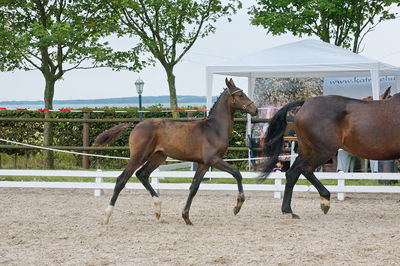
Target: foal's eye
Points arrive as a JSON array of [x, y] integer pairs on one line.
[[241, 95]]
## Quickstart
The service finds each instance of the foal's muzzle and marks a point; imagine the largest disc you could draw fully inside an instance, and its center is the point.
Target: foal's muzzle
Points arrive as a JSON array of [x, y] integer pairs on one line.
[[251, 108]]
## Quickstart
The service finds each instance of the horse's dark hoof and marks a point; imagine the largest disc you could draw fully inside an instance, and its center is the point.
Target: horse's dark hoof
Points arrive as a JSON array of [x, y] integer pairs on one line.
[[236, 210], [295, 216], [291, 215], [325, 208], [325, 205]]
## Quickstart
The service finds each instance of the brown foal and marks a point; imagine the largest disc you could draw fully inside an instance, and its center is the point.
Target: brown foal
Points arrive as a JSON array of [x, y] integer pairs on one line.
[[367, 129], [204, 142]]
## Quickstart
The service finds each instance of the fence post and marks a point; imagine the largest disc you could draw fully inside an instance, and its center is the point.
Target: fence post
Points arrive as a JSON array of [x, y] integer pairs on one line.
[[85, 141], [341, 185], [154, 183], [278, 185], [99, 179]]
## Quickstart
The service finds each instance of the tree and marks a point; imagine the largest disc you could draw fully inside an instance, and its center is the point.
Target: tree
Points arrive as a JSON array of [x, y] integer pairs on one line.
[[169, 28], [55, 37], [344, 23]]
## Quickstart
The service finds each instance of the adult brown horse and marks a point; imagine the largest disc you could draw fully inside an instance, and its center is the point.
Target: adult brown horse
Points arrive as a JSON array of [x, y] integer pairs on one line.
[[204, 142], [323, 125]]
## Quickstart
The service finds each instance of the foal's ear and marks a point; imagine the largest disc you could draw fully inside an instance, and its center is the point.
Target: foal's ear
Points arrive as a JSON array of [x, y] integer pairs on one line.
[[227, 82], [230, 84], [233, 84]]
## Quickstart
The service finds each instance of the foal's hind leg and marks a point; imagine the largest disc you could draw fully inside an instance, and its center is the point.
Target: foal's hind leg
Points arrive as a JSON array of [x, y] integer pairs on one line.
[[119, 185], [143, 175], [224, 166], [200, 172]]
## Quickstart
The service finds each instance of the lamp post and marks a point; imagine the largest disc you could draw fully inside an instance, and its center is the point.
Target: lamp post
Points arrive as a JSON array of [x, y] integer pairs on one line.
[[139, 88]]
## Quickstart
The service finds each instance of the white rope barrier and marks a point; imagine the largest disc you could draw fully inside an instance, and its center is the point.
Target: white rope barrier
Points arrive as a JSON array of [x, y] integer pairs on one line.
[[64, 151], [123, 158]]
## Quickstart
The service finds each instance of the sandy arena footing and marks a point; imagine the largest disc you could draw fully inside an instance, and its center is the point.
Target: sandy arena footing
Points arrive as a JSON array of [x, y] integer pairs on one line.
[[63, 226]]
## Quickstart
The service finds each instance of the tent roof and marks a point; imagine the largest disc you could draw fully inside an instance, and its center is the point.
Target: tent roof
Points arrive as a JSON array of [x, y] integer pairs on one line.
[[306, 58]]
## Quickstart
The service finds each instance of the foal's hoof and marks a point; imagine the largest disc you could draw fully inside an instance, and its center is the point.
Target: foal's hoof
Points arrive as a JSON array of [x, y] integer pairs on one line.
[[157, 206], [239, 203], [185, 216], [291, 215], [325, 205], [107, 214]]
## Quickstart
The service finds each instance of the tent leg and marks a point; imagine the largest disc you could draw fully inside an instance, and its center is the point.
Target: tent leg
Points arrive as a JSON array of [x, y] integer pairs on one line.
[[209, 83], [375, 82]]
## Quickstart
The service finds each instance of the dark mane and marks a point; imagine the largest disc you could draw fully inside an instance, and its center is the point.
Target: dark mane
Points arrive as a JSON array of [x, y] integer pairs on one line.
[[212, 110]]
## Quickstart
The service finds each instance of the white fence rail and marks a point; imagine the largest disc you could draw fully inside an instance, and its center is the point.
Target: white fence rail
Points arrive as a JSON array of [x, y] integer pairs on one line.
[[98, 185]]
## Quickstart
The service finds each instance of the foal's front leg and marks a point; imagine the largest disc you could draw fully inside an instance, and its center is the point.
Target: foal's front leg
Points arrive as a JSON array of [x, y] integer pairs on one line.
[[221, 165], [201, 170]]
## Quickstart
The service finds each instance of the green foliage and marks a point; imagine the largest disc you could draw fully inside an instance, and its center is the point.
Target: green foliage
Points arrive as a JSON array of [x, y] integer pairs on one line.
[[342, 22], [55, 37], [29, 132], [45, 35], [70, 134], [168, 28]]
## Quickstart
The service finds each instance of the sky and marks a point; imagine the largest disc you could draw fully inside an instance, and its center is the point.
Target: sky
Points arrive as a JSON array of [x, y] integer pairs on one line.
[[231, 40]]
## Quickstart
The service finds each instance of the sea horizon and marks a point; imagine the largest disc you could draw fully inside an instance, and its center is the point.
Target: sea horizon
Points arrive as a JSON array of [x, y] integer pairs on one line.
[[96, 105], [183, 101]]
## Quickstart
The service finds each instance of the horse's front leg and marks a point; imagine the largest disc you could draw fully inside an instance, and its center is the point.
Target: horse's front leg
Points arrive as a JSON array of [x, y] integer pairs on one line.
[[221, 165], [201, 171]]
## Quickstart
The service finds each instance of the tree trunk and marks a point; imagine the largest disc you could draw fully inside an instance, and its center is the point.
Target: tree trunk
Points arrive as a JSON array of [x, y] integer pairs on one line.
[[324, 28], [85, 141], [48, 131], [356, 44], [172, 91]]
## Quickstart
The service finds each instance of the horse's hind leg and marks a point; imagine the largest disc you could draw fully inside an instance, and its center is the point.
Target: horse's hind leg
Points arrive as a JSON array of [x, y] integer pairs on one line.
[[308, 172], [306, 166], [292, 175], [200, 172], [143, 175], [323, 192], [119, 185]]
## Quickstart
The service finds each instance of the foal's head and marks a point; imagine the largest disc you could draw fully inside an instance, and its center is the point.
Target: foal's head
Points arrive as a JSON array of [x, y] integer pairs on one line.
[[240, 101]]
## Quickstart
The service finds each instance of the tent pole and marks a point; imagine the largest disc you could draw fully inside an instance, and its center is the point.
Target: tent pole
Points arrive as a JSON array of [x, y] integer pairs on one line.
[[375, 83], [250, 92], [209, 82]]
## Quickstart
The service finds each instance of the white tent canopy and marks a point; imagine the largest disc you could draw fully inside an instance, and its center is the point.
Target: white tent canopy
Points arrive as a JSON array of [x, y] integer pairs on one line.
[[306, 58]]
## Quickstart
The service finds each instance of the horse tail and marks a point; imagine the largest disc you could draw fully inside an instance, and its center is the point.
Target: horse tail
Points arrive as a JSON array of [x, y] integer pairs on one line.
[[111, 135], [273, 139]]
